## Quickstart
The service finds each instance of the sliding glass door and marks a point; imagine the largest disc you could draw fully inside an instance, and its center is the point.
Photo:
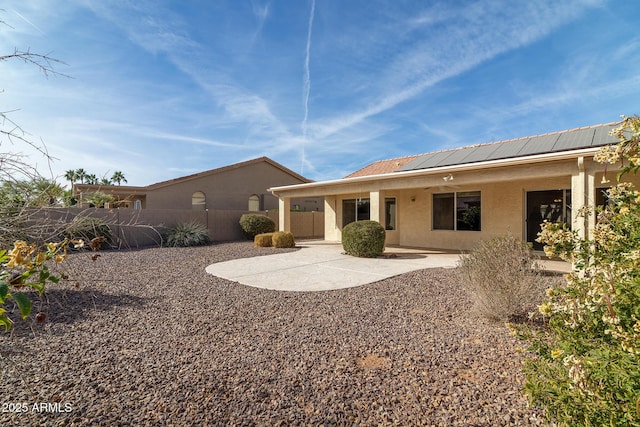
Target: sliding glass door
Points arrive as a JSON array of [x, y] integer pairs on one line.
[[549, 205]]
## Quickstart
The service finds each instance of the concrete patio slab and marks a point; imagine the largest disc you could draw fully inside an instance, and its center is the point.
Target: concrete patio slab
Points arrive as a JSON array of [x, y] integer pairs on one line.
[[321, 266]]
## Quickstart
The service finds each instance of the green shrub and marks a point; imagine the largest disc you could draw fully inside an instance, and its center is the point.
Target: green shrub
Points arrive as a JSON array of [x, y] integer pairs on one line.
[[264, 240], [254, 224], [585, 368], [504, 278], [283, 239], [363, 239], [88, 228], [187, 234]]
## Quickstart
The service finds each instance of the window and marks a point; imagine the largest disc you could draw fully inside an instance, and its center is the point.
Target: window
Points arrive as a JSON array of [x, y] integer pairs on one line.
[[137, 204], [254, 203], [457, 211], [355, 210], [198, 201], [390, 213]]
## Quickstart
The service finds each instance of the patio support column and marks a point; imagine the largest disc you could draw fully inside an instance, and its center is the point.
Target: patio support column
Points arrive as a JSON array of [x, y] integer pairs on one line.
[[582, 194], [284, 213], [375, 206], [331, 230]]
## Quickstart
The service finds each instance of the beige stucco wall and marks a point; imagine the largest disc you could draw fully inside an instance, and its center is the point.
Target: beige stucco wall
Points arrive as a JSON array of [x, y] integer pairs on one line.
[[502, 207], [503, 198], [228, 189]]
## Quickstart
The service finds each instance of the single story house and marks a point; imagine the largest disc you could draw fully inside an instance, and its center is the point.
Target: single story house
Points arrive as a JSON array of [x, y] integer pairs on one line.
[[240, 186], [453, 199]]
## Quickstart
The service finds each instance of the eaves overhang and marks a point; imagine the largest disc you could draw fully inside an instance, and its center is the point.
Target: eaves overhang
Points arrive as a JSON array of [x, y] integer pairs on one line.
[[299, 190]]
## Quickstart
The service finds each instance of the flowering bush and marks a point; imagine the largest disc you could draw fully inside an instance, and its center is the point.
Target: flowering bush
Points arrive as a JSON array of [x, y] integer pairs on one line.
[[585, 368], [24, 267]]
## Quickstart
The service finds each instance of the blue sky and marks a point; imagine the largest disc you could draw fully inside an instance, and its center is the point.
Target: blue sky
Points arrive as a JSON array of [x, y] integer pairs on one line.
[[161, 89]]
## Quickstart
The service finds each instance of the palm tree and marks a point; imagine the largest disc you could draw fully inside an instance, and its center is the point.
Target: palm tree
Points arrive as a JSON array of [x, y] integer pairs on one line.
[[91, 179], [71, 176], [81, 175], [105, 181], [118, 177]]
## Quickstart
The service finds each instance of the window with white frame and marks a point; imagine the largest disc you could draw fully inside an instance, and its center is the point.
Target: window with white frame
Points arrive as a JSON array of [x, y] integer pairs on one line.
[[457, 211]]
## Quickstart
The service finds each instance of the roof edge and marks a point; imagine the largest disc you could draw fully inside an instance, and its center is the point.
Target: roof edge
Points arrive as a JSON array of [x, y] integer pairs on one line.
[[512, 161]]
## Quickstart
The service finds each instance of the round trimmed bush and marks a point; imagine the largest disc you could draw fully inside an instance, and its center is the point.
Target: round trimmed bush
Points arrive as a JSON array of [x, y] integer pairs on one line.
[[363, 239], [283, 239], [254, 224]]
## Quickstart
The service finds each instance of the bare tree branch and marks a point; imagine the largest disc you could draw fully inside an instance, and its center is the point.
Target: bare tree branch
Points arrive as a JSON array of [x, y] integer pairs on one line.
[[44, 62]]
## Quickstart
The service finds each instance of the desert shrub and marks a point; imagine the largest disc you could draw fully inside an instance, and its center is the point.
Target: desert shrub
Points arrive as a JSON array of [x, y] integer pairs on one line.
[[363, 239], [584, 367], [23, 268], [88, 229], [504, 277], [254, 224], [187, 234], [264, 240], [283, 239]]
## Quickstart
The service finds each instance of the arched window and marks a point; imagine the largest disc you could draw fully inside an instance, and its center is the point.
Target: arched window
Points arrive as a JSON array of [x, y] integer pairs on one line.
[[198, 201], [137, 204], [254, 203]]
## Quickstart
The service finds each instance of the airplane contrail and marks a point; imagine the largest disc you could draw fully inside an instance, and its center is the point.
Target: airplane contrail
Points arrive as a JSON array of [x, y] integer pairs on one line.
[[307, 84], [27, 21]]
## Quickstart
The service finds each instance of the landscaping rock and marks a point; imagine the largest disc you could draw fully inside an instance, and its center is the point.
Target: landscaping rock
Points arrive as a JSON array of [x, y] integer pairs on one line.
[[148, 338]]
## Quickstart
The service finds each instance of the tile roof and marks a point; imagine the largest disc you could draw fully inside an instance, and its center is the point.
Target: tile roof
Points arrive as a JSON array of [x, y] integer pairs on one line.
[[382, 166]]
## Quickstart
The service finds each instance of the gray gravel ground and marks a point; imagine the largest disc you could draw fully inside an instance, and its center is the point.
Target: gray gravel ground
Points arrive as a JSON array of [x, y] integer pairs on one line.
[[148, 338]]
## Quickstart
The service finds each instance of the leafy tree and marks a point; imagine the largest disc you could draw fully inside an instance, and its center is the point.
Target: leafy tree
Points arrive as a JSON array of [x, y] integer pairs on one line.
[[97, 199]]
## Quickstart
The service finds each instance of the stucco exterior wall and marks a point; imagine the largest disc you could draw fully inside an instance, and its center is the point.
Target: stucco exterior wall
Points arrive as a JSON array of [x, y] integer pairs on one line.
[[503, 192], [228, 189], [502, 212]]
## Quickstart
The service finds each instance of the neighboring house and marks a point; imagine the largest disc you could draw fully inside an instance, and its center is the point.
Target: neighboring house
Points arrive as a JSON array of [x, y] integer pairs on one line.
[[241, 186], [453, 199]]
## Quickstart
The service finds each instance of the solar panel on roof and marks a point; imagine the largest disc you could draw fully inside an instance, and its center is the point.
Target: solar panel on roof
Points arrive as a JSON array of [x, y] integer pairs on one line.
[[539, 144], [417, 162], [508, 149], [548, 143], [601, 136], [457, 156], [438, 158], [577, 139], [481, 153]]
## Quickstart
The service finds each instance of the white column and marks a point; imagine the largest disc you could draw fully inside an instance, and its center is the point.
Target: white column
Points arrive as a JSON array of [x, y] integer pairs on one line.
[[375, 206], [284, 213], [331, 230], [580, 188]]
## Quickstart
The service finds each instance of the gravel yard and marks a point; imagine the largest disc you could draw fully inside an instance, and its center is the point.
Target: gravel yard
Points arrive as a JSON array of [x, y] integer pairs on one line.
[[148, 338]]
